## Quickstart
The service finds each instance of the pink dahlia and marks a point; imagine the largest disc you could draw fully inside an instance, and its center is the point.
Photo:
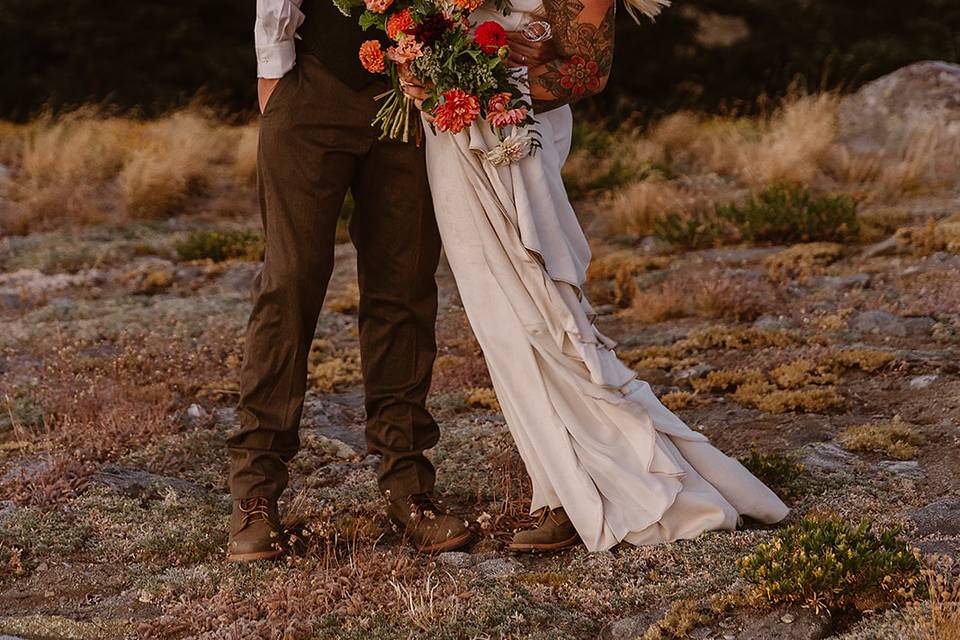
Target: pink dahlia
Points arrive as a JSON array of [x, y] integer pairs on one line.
[[500, 115]]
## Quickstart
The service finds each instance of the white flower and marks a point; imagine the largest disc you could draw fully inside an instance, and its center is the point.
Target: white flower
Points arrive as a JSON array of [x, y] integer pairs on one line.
[[649, 8], [511, 149]]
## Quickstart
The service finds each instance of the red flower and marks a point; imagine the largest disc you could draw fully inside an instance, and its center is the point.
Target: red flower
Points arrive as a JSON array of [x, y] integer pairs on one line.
[[457, 111], [490, 36], [580, 75], [399, 23]]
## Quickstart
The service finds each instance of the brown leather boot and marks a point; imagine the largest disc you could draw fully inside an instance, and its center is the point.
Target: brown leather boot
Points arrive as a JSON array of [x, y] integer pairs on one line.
[[426, 525], [254, 530], [553, 532]]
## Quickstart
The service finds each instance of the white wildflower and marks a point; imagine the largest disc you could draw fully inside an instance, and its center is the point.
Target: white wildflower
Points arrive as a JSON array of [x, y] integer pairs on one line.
[[649, 8]]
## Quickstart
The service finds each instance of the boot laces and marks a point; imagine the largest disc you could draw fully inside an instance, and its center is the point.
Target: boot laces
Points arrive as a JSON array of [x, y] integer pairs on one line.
[[254, 510], [425, 504]]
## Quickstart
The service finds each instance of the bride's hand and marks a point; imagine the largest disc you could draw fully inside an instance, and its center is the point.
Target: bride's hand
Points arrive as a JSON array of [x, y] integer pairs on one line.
[[524, 53], [418, 94]]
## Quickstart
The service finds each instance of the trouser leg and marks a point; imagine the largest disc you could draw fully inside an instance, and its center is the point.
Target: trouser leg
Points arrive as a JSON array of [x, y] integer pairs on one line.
[[306, 161], [398, 249]]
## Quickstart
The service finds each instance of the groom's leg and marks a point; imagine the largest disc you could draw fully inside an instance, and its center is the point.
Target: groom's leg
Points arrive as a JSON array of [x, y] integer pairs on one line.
[[398, 249], [310, 146]]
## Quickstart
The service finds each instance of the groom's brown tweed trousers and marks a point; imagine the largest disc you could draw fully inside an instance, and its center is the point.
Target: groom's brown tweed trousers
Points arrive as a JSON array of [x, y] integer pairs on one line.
[[315, 143]]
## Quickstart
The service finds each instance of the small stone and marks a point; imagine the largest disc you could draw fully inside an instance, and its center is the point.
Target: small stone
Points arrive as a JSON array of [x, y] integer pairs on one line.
[[841, 283], [197, 413], [804, 624], [883, 248], [922, 382], [696, 371], [6, 508], [499, 567], [826, 456], [628, 628], [654, 246], [774, 323], [458, 559]]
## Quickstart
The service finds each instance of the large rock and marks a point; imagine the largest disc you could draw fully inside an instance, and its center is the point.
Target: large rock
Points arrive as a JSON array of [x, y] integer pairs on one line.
[[888, 324], [883, 114], [941, 517], [137, 483]]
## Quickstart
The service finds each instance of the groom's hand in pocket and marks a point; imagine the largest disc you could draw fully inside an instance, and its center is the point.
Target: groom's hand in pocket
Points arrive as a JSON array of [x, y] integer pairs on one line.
[[265, 89]]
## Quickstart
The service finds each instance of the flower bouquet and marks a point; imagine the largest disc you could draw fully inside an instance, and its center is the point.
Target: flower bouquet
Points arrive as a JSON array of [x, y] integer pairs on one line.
[[432, 43]]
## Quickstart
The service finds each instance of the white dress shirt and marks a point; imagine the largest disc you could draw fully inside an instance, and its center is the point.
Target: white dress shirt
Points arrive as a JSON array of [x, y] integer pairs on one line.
[[274, 34]]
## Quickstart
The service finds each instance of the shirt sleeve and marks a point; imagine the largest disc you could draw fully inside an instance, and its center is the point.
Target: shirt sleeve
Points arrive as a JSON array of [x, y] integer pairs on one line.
[[274, 34]]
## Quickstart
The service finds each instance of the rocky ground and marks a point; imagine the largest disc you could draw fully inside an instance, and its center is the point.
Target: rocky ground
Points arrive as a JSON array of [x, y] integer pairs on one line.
[[118, 370]]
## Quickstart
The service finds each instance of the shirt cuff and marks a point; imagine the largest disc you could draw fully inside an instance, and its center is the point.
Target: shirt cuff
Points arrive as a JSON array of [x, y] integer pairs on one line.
[[275, 60]]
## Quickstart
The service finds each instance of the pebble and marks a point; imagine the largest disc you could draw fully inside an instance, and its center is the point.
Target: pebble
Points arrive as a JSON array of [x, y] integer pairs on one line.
[[458, 559], [922, 382], [499, 567]]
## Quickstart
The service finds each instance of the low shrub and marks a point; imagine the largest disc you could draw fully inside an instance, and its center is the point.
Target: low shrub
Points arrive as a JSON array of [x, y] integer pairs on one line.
[[780, 213], [894, 438], [221, 245], [827, 564], [773, 469], [802, 260]]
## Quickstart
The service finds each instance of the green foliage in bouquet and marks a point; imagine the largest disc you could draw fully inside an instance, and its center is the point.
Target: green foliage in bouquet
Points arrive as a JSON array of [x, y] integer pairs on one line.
[[829, 565]]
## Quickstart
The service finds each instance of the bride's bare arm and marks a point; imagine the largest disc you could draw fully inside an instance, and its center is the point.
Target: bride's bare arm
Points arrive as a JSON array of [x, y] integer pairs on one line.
[[583, 37]]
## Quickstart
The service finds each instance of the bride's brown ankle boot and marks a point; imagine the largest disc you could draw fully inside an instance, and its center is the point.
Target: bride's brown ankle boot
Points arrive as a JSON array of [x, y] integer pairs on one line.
[[254, 530], [553, 532], [426, 525]]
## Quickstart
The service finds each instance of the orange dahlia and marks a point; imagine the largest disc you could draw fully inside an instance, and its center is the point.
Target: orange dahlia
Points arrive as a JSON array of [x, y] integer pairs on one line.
[[371, 56], [398, 23], [469, 5], [457, 111]]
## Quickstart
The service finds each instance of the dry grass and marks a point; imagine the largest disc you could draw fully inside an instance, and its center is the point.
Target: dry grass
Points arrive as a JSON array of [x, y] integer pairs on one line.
[[688, 160], [174, 160], [937, 617], [635, 209], [87, 166], [894, 438], [716, 296]]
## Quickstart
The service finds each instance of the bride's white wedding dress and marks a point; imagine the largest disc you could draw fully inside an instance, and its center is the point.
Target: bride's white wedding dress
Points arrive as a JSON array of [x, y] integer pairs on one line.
[[594, 439]]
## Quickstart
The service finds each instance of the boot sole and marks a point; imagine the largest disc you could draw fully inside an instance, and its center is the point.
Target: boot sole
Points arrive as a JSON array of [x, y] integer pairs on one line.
[[552, 546], [253, 556], [450, 544]]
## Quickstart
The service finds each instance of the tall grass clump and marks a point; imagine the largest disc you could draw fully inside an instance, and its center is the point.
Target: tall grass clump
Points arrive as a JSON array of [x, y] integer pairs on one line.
[[175, 160]]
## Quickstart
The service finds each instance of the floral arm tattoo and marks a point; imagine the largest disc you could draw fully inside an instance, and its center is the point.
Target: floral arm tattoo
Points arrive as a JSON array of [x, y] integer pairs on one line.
[[584, 41]]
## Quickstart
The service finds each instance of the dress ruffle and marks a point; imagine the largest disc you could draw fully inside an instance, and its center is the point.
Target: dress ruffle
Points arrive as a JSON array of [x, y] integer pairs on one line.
[[594, 438]]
